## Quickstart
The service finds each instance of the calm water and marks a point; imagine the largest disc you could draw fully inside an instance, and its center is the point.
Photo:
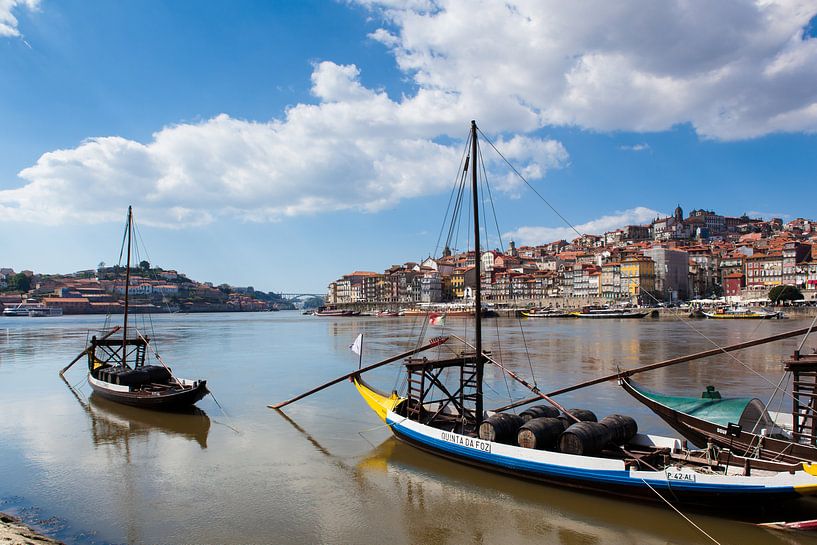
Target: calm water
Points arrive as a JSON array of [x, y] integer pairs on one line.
[[328, 472]]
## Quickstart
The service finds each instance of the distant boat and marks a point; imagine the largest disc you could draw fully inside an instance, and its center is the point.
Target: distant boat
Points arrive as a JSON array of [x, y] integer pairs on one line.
[[742, 313], [546, 313], [608, 312], [117, 367], [33, 310], [334, 312]]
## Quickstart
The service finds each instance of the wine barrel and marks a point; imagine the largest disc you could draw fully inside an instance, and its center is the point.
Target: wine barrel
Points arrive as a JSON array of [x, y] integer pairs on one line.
[[540, 433], [582, 414], [622, 428], [539, 411], [500, 428], [584, 438]]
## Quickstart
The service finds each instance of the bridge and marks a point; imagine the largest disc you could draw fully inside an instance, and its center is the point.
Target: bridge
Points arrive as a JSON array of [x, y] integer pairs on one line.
[[296, 296]]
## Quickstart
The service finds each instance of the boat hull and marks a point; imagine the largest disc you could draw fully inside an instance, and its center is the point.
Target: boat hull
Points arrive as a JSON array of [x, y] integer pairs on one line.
[[606, 476], [172, 399], [622, 483]]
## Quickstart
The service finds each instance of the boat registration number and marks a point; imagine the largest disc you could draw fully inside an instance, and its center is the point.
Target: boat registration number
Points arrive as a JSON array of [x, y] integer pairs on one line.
[[680, 476], [469, 442]]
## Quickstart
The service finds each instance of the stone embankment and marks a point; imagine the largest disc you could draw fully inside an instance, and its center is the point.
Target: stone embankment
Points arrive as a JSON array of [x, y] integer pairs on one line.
[[14, 532]]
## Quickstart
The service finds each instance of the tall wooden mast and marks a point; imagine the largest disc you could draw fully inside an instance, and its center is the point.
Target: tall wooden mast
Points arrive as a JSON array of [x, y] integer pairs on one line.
[[127, 286], [477, 273]]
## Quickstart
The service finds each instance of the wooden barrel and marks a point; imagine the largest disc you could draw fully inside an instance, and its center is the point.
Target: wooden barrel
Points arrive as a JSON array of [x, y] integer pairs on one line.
[[500, 428], [539, 411], [582, 414], [622, 428], [540, 433], [584, 438]]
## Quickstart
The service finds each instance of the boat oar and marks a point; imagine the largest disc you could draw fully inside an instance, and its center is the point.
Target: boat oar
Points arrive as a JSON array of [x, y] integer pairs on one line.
[[75, 360], [437, 341], [660, 364], [522, 381]]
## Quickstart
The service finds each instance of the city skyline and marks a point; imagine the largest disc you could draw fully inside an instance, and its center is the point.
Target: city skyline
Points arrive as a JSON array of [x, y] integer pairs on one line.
[[283, 145]]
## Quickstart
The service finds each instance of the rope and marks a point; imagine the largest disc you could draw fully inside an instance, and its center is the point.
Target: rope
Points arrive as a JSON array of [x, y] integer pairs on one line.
[[528, 184], [688, 323], [686, 518]]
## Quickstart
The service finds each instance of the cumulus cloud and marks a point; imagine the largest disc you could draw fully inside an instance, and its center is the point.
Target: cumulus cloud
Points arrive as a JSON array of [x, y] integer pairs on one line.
[[356, 149], [8, 22], [541, 235], [733, 70]]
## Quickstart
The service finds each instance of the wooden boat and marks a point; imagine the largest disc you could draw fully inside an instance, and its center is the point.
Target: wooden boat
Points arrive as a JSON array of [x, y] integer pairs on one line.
[[117, 368], [742, 313], [456, 426], [743, 425], [442, 413], [606, 312]]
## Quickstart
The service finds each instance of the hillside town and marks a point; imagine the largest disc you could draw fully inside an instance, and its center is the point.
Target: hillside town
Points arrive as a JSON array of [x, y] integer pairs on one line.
[[670, 260], [151, 289]]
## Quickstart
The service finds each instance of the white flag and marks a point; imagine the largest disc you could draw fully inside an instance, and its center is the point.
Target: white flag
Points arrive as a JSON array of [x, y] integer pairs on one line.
[[357, 346]]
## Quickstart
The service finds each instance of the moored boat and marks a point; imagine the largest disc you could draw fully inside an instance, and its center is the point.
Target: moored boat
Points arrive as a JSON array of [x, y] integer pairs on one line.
[[744, 425], [32, 310], [334, 312], [118, 369], [733, 313], [608, 312], [546, 313], [442, 412]]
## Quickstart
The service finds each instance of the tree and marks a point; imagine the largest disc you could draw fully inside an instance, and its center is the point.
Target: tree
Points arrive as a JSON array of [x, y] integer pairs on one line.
[[19, 282], [784, 293], [144, 265]]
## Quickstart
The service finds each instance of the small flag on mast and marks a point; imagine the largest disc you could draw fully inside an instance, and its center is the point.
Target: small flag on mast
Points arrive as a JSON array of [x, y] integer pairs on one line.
[[435, 319], [357, 346]]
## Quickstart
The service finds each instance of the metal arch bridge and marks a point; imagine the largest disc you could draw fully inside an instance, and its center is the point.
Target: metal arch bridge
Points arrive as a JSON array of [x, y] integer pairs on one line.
[[296, 296]]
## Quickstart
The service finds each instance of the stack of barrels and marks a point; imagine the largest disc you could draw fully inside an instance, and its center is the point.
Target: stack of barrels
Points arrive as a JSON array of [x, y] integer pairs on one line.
[[543, 427]]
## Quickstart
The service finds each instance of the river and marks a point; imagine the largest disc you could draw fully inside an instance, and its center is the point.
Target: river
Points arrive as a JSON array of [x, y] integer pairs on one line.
[[90, 471]]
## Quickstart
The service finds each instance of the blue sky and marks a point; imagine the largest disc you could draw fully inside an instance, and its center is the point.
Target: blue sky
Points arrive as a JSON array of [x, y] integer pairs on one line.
[[282, 144]]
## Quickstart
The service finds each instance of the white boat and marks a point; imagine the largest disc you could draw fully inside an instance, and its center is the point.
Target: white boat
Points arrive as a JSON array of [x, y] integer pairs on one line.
[[32, 309]]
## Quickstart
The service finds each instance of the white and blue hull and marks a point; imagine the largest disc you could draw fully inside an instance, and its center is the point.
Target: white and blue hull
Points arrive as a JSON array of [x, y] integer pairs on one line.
[[610, 476]]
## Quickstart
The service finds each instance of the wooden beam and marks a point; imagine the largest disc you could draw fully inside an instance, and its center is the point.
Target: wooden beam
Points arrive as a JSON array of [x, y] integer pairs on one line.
[[437, 341], [660, 364], [75, 360]]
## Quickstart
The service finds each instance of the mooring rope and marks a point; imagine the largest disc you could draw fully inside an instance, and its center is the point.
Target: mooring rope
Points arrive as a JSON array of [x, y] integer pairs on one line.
[[686, 518]]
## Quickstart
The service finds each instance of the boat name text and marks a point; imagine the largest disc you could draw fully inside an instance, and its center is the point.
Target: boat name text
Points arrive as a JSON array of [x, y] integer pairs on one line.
[[469, 442]]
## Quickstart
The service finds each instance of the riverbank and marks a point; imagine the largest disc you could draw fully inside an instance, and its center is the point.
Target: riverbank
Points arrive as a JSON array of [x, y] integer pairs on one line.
[[14, 532]]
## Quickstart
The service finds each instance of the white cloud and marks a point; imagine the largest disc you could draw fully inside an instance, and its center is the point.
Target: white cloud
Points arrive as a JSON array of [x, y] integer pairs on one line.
[[541, 235], [735, 69], [356, 149], [636, 147], [8, 22]]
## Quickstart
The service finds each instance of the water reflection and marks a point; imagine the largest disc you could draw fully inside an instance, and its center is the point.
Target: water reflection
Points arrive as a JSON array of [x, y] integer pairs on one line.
[[117, 424]]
